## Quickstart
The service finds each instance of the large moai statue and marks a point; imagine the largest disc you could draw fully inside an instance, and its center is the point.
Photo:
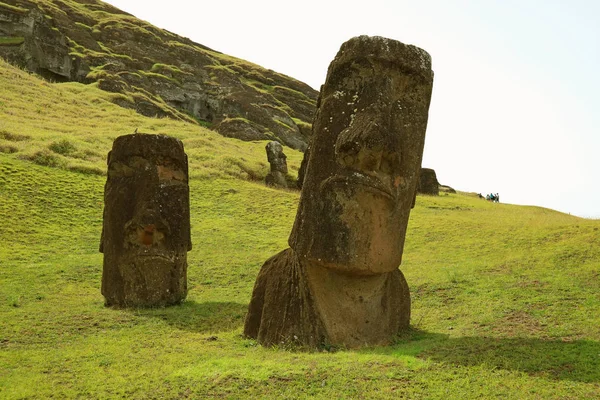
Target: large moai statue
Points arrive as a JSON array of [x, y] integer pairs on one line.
[[339, 283], [279, 169], [146, 230]]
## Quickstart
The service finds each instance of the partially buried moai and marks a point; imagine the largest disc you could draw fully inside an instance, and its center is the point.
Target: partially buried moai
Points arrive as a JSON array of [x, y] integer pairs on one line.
[[146, 230], [339, 283], [278, 163]]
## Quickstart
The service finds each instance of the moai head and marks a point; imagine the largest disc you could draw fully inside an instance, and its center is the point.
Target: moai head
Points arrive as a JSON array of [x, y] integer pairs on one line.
[[276, 157], [365, 157], [279, 169], [146, 231], [428, 183]]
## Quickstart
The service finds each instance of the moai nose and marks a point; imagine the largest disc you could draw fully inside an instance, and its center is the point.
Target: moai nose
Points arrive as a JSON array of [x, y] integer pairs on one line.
[[367, 147], [147, 228], [147, 234]]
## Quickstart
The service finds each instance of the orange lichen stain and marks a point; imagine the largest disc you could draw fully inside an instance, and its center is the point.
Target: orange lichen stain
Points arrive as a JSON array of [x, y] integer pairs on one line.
[[168, 173], [146, 235]]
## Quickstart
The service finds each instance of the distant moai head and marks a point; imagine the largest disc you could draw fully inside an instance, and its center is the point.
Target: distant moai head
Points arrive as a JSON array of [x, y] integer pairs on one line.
[[276, 157], [146, 230], [365, 157], [428, 183], [279, 169]]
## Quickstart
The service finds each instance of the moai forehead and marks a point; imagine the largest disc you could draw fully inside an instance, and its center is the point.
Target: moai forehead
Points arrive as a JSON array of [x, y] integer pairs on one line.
[[274, 151], [365, 156], [277, 160], [150, 147]]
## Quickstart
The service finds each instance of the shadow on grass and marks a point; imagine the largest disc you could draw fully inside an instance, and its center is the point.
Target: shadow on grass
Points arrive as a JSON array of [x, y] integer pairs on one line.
[[577, 360], [208, 317]]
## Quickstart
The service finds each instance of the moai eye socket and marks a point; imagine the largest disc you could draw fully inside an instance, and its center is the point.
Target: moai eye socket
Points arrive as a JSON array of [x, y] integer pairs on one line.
[[118, 169], [169, 171]]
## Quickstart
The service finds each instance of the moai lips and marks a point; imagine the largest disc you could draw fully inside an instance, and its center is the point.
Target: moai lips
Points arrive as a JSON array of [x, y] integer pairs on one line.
[[146, 230], [341, 275]]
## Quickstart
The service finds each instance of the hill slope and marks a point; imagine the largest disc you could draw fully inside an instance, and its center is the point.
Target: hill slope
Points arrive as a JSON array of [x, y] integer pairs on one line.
[[72, 126], [156, 72], [505, 298]]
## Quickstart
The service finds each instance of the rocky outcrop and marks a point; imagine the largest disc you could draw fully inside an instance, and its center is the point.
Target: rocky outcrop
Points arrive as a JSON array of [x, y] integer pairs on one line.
[[28, 39], [154, 71], [446, 189]]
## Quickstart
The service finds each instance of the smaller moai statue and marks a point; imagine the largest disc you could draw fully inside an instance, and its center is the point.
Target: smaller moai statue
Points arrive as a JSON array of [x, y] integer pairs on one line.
[[279, 169], [146, 228]]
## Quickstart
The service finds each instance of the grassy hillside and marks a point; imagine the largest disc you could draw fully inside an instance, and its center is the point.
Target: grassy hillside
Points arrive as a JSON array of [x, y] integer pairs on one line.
[[155, 71], [506, 299], [72, 126]]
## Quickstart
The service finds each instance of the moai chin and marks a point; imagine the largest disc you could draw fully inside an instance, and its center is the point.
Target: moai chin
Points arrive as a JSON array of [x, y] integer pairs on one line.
[[339, 283], [279, 169], [146, 229]]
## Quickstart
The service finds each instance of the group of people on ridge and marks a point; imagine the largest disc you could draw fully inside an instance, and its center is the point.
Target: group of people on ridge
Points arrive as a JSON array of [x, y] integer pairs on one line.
[[490, 197]]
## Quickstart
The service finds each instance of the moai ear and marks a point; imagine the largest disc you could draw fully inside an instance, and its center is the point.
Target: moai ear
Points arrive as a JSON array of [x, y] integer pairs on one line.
[[187, 175], [102, 240], [414, 201], [102, 234]]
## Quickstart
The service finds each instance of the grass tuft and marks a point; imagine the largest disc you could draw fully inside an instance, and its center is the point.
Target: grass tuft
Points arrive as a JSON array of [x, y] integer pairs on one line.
[[11, 40], [64, 147]]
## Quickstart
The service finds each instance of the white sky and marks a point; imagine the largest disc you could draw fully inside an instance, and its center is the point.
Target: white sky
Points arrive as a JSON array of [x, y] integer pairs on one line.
[[515, 106]]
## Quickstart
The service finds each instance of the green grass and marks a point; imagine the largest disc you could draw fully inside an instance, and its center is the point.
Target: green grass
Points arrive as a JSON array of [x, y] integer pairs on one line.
[[38, 117], [505, 298], [11, 40], [13, 8]]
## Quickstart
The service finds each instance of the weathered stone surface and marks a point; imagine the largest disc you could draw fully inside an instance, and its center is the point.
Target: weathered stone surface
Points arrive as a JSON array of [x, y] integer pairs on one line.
[[160, 73], [446, 189], [47, 55], [428, 183], [339, 283], [279, 169], [146, 230]]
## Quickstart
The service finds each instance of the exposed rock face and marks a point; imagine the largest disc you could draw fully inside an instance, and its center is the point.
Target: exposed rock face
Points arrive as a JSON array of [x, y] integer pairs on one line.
[[279, 169], [428, 183], [146, 230], [339, 282], [446, 189], [47, 55], [154, 71]]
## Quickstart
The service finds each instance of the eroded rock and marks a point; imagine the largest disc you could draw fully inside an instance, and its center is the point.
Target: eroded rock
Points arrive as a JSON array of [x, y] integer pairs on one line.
[[146, 230], [339, 283]]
